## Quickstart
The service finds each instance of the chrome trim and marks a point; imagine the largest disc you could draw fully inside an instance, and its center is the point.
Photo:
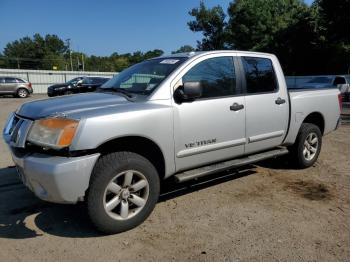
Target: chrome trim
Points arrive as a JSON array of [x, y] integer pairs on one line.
[[23, 133], [16, 131], [9, 123], [265, 136]]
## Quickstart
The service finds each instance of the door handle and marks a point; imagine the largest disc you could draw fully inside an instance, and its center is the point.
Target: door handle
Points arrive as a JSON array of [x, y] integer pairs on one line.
[[280, 101], [236, 107]]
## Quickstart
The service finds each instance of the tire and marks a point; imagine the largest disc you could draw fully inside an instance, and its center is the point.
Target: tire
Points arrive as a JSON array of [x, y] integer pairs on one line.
[[68, 93], [307, 146], [22, 93], [111, 190]]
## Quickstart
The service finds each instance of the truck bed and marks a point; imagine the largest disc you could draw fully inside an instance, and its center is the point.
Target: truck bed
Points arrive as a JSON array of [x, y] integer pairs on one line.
[[303, 102]]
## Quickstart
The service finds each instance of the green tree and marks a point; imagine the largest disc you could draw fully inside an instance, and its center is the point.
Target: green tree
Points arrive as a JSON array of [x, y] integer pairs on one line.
[[254, 24], [334, 25], [307, 40], [184, 49], [33, 53], [153, 53], [334, 17], [211, 22]]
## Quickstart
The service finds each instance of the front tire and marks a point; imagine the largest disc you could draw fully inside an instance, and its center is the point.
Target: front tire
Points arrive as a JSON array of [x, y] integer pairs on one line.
[[124, 190], [307, 146], [69, 92]]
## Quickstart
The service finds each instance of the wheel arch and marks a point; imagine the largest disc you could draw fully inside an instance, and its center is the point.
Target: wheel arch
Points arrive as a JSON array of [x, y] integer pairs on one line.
[[139, 145], [317, 119]]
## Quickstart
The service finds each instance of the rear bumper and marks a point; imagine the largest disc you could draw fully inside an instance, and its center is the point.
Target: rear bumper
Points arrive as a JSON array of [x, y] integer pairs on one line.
[[56, 179]]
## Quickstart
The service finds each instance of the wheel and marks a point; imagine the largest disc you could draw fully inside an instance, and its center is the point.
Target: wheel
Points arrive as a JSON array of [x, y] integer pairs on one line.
[[307, 146], [22, 93], [124, 189], [68, 92]]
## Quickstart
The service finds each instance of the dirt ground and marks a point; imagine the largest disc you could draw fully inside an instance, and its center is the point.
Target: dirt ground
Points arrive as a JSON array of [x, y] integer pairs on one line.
[[264, 212]]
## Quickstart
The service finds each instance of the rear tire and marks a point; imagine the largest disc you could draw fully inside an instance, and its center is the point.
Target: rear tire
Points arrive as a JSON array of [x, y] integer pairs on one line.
[[22, 93], [307, 146], [124, 189]]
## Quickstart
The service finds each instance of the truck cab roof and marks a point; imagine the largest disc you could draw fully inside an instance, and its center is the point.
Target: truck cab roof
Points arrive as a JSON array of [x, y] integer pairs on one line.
[[200, 53]]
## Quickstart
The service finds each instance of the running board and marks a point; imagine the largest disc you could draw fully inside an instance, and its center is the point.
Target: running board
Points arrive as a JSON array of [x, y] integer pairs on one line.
[[214, 168]]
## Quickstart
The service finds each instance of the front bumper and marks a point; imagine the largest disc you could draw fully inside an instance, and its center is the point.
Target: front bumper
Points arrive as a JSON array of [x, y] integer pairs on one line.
[[56, 179]]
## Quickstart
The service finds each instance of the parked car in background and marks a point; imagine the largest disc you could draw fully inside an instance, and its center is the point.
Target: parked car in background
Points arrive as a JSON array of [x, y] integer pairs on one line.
[[15, 86], [330, 81], [77, 85]]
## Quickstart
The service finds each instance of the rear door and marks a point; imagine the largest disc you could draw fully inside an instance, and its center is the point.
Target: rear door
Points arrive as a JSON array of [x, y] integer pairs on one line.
[[267, 104], [210, 129]]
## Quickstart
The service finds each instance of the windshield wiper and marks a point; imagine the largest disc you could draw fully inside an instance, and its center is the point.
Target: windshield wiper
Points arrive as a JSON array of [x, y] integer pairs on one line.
[[118, 90]]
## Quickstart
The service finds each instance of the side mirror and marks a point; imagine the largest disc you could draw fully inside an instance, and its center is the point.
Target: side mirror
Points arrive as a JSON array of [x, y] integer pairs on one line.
[[188, 92]]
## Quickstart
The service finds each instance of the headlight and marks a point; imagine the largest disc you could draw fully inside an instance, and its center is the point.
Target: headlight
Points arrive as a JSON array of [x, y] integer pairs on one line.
[[53, 132]]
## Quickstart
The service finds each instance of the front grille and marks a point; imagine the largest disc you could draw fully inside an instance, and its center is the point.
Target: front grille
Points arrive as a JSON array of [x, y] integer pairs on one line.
[[17, 130]]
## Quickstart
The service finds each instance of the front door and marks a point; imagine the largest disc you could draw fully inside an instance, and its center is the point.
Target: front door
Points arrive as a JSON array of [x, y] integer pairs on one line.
[[211, 128]]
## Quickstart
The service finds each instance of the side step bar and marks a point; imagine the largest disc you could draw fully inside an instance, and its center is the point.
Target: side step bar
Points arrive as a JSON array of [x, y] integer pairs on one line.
[[214, 168]]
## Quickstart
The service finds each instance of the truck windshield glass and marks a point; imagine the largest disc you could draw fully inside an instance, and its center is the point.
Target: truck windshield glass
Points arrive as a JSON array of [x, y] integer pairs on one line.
[[144, 77]]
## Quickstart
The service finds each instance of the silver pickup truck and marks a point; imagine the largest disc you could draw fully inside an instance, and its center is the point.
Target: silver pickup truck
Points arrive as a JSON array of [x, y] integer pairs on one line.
[[182, 117]]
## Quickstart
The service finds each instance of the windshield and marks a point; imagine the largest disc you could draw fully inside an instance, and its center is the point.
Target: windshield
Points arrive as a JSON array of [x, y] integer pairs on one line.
[[74, 80], [322, 80], [144, 77]]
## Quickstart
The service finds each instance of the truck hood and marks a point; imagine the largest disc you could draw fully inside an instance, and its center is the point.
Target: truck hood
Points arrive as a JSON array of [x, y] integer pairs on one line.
[[70, 104]]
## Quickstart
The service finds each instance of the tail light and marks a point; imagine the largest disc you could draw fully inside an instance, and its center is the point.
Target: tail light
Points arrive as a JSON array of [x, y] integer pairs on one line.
[[340, 100], [29, 84]]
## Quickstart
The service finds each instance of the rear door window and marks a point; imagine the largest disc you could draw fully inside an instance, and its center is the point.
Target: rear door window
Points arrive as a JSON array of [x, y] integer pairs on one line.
[[260, 75]]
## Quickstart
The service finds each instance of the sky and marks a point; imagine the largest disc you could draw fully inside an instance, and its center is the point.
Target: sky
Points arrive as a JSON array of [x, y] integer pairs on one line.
[[105, 26]]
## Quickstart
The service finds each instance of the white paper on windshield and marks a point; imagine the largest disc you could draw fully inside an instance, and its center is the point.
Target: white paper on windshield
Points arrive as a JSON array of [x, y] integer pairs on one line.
[[169, 61]]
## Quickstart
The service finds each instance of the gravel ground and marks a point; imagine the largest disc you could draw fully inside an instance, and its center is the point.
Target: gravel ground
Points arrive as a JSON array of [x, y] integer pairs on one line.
[[264, 212]]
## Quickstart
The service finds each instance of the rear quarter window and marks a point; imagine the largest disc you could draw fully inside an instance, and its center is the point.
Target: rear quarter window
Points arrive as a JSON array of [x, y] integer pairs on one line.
[[260, 75]]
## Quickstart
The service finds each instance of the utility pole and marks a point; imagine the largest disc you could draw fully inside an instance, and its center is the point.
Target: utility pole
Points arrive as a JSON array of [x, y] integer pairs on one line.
[[82, 60], [71, 61], [70, 54]]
